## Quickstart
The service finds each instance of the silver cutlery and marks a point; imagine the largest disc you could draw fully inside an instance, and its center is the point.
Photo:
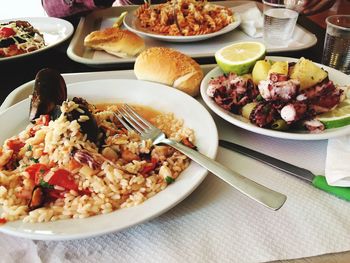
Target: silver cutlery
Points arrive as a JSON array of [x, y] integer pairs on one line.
[[263, 195], [318, 181]]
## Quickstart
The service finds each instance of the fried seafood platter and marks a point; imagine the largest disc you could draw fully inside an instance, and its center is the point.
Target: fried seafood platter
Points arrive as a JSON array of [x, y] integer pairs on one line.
[[76, 160], [277, 95], [184, 18]]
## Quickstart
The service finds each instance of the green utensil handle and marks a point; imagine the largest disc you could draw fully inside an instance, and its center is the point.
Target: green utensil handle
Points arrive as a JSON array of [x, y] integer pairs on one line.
[[341, 192]]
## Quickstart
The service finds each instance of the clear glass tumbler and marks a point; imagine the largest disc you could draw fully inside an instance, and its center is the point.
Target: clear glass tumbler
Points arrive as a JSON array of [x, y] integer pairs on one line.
[[336, 50], [279, 22]]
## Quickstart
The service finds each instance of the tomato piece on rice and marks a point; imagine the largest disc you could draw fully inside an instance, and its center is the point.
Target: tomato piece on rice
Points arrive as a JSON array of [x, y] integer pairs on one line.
[[63, 178], [37, 171]]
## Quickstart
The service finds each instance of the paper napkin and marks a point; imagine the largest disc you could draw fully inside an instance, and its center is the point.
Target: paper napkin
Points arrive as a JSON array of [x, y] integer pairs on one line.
[[252, 19], [14, 249], [337, 169]]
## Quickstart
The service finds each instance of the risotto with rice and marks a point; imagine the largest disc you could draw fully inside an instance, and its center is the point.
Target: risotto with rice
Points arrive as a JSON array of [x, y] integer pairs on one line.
[[52, 170]]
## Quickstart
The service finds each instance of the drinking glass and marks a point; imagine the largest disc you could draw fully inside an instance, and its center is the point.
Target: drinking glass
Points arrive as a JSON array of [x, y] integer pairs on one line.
[[336, 50], [279, 22]]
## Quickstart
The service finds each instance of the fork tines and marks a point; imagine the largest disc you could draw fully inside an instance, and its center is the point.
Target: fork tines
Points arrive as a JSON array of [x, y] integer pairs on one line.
[[131, 119]]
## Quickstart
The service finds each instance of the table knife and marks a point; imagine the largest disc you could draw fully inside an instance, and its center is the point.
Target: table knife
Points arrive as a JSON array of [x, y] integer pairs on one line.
[[318, 181]]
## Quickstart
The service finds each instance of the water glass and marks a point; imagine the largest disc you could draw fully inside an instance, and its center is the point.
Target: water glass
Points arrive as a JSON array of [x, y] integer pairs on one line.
[[279, 22], [336, 50]]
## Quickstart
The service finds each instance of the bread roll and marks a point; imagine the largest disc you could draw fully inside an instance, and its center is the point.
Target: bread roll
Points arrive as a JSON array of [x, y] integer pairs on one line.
[[170, 67], [118, 42]]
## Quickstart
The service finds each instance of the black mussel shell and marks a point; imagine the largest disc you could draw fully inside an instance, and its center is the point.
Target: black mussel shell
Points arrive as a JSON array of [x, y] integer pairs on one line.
[[49, 90], [89, 127], [38, 198], [56, 112]]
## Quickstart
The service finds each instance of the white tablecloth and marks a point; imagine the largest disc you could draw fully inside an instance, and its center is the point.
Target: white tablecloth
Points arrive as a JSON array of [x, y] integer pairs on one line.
[[216, 223]]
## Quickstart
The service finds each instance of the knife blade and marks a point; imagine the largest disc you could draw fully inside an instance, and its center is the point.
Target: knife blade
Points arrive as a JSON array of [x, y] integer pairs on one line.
[[318, 181]]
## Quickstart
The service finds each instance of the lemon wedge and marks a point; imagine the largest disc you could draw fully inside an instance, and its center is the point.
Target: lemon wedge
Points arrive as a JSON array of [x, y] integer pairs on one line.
[[240, 57]]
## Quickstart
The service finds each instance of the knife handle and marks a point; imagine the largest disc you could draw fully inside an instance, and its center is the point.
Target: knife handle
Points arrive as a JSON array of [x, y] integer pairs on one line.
[[320, 182]]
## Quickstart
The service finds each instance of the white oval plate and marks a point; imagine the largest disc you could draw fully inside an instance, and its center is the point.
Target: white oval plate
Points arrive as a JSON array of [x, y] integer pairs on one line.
[[334, 75], [55, 31], [131, 23], [160, 97]]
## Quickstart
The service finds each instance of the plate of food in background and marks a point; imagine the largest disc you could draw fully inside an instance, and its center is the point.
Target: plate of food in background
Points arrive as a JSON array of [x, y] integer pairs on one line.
[[25, 36], [182, 20], [278, 96]]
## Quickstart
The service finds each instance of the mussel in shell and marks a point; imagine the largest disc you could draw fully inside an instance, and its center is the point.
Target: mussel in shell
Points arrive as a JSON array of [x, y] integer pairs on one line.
[[49, 90], [38, 198], [89, 127]]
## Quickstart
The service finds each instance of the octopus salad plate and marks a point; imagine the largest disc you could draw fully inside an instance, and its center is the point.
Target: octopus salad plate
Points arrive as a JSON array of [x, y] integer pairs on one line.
[[186, 27], [338, 78], [144, 181], [26, 36]]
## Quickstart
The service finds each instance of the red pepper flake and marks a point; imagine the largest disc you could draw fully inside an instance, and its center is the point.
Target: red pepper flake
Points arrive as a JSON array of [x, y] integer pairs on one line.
[[44, 120], [122, 130], [85, 192], [186, 142], [149, 167], [32, 131], [15, 145], [12, 164]]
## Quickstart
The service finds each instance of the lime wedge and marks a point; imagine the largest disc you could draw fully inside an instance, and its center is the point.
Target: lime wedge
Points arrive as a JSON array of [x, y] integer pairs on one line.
[[338, 117], [120, 19], [240, 57]]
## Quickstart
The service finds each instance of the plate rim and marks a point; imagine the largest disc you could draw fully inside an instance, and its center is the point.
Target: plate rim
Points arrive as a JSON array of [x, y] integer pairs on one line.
[[132, 17], [201, 174], [67, 25], [230, 117]]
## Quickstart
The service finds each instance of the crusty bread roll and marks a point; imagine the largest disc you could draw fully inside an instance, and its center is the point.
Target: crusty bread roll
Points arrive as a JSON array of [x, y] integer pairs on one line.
[[170, 67], [118, 42]]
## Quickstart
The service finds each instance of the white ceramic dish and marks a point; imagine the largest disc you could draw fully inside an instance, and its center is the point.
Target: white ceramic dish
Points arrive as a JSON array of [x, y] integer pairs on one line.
[[55, 31], [336, 76], [131, 23], [157, 96]]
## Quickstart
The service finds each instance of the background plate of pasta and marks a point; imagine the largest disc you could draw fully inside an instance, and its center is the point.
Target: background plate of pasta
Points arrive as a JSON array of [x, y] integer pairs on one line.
[[182, 20]]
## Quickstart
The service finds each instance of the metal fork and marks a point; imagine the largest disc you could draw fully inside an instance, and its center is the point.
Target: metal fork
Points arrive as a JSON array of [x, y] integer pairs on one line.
[[132, 121]]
